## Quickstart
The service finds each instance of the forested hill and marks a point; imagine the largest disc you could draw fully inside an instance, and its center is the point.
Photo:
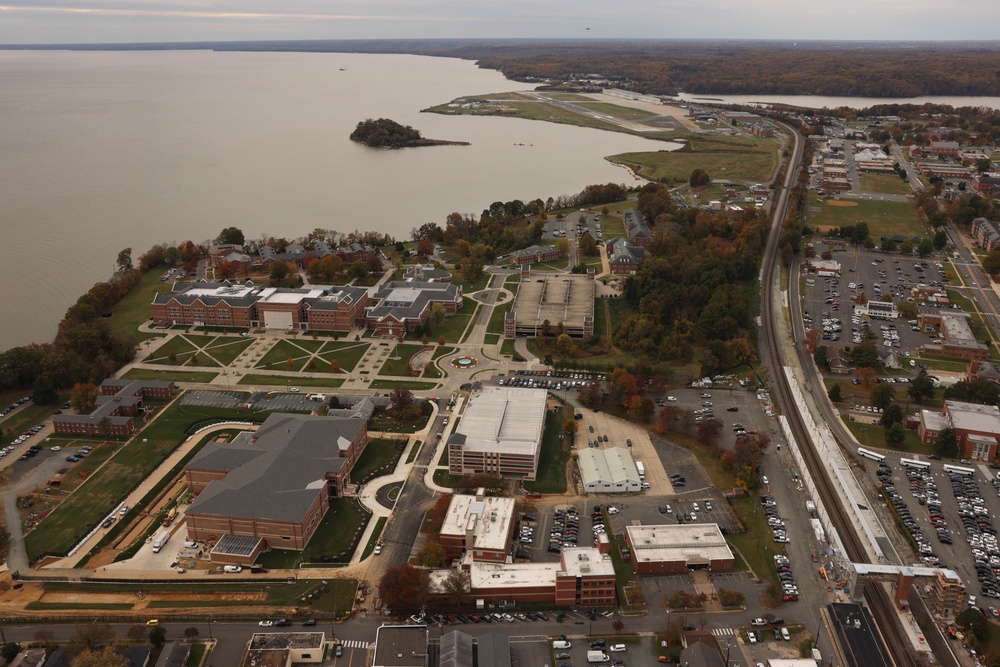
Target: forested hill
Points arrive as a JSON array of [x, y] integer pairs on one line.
[[385, 133]]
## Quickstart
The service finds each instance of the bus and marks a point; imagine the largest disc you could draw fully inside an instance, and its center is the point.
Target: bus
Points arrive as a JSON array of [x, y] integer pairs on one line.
[[959, 470], [869, 454], [913, 463]]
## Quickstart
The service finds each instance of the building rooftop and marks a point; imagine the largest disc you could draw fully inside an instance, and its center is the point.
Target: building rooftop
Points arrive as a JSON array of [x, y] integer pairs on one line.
[[610, 466], [404, 300], [586, 562], [934, 421], [688, 542], [956, 328], [484, 574], [973, 417], [277, 472], [564, 298], [400, 646], [489, 519], [503, 420]]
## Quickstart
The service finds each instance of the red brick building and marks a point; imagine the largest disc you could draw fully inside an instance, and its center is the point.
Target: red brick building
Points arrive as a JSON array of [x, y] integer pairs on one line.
[[119, 403], [400, 307], [534, 254], [275, 483], [977, 428], [945, 148], [673, 549], [479, 525]]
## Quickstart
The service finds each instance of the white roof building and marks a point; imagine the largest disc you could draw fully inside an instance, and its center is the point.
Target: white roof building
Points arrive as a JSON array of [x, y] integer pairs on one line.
[[483, 523], [608, 471], [500, 432], [688, 544]]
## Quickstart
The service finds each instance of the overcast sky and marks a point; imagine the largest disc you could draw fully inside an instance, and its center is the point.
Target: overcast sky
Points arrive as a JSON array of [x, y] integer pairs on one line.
[[82, 21]]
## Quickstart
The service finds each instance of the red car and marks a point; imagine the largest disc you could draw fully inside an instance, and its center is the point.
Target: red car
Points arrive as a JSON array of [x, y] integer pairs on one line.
[[791, 598]]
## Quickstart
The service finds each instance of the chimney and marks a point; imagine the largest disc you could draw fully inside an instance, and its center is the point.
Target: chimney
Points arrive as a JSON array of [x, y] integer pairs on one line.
[[480, 493]]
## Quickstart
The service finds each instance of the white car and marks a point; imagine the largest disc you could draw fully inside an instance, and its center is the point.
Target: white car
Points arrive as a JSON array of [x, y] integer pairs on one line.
[[695, 507], [123, 511], [266, 624], [293, 389], [758, 622], [613, 510], [57, 448], [617, 648], [378, 549], [764, 479], [672, 399]]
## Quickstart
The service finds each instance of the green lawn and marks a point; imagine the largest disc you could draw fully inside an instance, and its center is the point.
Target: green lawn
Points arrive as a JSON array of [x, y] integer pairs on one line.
[[884, 218], [468, 287], [412, 385], [333, 542], [889, 184], [398, 359], [299, 381], [86, 507], [552, 460], [455, 325], [347, 354], [26, 417], [495, 325], [755, 545], [731, 158], [612, 226], [379, 458], [873, 435], [226, 349], [178, 346], [133, 310], [443, 478], [196, 655], [507, 348], [298, 351], [169, 376]]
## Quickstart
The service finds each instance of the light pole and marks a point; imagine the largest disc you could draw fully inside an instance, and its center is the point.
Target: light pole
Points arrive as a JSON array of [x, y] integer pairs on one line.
[[210, 628]]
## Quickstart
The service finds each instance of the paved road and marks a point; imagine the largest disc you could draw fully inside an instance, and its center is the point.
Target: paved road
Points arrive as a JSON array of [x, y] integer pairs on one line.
[[980, 285]]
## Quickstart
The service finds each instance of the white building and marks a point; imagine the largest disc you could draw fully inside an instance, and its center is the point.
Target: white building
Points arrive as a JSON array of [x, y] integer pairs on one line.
[[481, 525], [608, 471], [882, 310]]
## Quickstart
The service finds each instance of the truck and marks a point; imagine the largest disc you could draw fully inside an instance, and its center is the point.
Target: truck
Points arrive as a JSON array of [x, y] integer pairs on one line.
[[171, 515], [598, 656], [161, 539], [811, 508], [641, 468], [817, 657]]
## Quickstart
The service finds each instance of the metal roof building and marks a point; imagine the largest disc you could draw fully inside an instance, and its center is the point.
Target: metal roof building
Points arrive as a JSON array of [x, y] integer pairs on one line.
[[608, 471]]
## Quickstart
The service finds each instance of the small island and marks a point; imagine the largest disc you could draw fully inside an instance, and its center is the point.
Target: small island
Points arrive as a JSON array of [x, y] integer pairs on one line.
[[385, 133]]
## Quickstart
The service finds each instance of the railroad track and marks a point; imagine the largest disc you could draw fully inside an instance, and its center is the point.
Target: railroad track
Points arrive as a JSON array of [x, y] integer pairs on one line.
[[878, 600]]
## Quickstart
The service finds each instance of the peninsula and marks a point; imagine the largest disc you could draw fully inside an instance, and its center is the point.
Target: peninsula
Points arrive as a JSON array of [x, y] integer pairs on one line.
[[386, 133]]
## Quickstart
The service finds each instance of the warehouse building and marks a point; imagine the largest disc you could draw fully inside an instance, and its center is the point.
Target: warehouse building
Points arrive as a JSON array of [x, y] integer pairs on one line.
[[672, 549], [500, 432], [608, 471]]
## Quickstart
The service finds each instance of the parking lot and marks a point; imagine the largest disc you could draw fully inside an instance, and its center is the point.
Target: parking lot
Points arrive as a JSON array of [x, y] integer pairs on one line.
[[596, 426], [749, 411], [879, 277], [936, 485]]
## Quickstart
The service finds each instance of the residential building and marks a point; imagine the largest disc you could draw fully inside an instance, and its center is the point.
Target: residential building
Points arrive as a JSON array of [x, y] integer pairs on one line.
[[608, 471], [943, 170], [838, 360], [976, 427], [232, 254], [251, 306], [500, 432], [672, 549], [118, 404], [561, 303], [427, 273], [987, 233], [534, 254], [763, 130], [294, 253], [624, 257], [945, 148], [987, 182], [636, 228], [274, 483], [479, 525], [982, 370], [402, 306]]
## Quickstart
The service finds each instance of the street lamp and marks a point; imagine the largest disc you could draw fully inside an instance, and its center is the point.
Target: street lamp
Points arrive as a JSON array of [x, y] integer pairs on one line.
[[210, 628]]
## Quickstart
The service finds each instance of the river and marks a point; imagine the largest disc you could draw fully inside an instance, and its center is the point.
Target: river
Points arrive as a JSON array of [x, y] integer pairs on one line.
[[107, 150], [828, 102]]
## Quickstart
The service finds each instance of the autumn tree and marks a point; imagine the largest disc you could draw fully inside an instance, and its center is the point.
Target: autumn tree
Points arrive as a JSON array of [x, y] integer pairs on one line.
[[587, 245], [124, 261], [571, 427], [991, 263], [882, 395], [907, 309], [435, 318], [403, 589], [432, 554], [866, 375], [334, 366], [562, 247], [921, 387], [92, 636], [709, 431], [191, 632], [158, 636], [279, 270], [946, 443], [84, 397], [109, 656], [699, 178], [564, 345], [457, 587]]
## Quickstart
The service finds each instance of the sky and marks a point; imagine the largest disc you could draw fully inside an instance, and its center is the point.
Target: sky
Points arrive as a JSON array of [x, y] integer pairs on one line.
[[100, 21]]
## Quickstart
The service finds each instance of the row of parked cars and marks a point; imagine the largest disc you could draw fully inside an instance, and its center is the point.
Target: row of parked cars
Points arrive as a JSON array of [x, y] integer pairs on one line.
[[450, 619], [14, 406], [566, 529], [774, 520], [24, 436], [979, 533], [923, 487]]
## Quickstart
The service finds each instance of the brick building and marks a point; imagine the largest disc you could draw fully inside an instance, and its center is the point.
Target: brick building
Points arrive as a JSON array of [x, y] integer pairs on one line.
[[534, 254], [977, 428], [479, 525], [500, 432], [119, 402], [636, 228], [672, 549], [987, 233], [624, 257], [250, 306], [401, 306], [275, 483], [945, 148], [957, 340]]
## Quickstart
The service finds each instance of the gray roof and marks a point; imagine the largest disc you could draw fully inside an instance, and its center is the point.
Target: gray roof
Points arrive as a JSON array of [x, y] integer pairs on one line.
[[174, 654], [278, 474], [494, 650], [456, 650], [427, 272], [531, 251], [137, 656], [701, 655], [129, 392], [989, 229], [293, 252], [635, 225], [407, 300], [400, 646], [623, 251]]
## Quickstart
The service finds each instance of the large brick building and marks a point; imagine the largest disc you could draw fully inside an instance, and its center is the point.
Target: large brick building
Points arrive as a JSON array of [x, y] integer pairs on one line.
[[500, 432], [957, 340], [624, 257], [534, 254], [986, 233], [670, 549], [251, 306], [480, 525], [636, 228], [119, 403], [275, 483], [977, 428], [401, 306]]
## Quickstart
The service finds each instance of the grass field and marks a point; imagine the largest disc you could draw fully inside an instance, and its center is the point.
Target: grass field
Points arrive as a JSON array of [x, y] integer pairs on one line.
[[133, 310], [376, 534], [299, 352], [732, 158], [409, 384], [169, 376], [178, 346], [454, 326], [625, 113], [884, 218], [347, 354], [333, 542], [29, 415], [754, 545], [379, 458], [85, 508], [225, 349], [495, 325], [888, 184], [398, 359], [612, 226], [552, 460], [872, 435]]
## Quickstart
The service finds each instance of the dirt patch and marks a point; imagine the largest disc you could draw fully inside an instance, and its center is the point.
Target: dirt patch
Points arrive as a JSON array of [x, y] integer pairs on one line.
[[840, 202]]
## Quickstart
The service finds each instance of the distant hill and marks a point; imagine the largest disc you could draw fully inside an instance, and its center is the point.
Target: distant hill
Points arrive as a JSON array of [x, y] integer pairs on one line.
[[385, 133]]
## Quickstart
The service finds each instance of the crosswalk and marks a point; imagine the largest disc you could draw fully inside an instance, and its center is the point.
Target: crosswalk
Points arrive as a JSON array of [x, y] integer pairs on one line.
[[723, 632], [354, 643]]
